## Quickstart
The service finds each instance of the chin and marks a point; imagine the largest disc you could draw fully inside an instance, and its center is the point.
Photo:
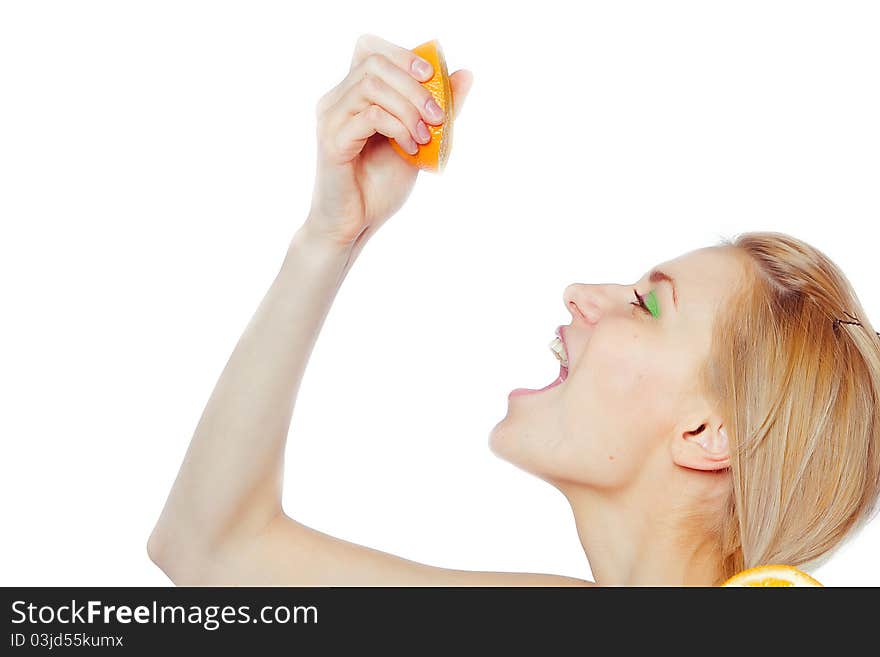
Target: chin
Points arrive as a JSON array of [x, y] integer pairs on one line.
[[496, 439], [506, 442], [500, 438]]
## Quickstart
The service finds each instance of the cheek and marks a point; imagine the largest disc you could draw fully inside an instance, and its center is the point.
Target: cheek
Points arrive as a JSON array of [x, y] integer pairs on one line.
[[595, 412], [620, 365], [598, 429], [621, 398]]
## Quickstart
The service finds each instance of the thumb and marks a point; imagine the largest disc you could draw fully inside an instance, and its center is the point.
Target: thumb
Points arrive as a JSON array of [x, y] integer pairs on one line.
[[461, 82]]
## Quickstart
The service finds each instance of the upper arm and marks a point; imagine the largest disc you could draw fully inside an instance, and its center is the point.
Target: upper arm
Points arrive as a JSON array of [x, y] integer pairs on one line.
[[289, 553]]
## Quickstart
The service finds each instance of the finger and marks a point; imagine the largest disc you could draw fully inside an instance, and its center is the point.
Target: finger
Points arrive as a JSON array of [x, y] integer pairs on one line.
[[404, 59], [355, 131], [373, 56], [375, 91], [461, 82], [377, 76]]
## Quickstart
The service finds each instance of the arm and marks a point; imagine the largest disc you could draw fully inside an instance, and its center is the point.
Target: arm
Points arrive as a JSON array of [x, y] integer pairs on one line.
[[222, 522], [230, 480]]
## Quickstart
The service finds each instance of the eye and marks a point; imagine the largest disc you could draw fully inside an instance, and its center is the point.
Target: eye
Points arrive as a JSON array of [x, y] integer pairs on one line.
[[640, 302], [650, 308]]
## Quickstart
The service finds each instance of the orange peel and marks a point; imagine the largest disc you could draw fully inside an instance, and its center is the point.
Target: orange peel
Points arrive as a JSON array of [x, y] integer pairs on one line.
[[771, 575], [434, 155]]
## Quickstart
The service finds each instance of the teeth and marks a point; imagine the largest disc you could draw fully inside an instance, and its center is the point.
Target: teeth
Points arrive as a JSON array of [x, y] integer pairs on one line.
[[558, 349]]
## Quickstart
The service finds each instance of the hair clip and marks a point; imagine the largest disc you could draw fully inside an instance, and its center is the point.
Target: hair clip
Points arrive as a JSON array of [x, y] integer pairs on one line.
[[838, 322]]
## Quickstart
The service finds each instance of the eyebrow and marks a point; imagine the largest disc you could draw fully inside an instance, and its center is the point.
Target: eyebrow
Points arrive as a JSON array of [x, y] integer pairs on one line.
[[657, 276]]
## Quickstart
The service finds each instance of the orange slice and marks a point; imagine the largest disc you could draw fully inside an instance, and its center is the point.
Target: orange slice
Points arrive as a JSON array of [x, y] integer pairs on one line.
[[433, 155], [772, 575]]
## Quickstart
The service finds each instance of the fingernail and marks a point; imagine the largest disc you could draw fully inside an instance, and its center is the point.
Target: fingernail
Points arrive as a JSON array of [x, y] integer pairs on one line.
[[422, 132], [434, 109], [422, 68]]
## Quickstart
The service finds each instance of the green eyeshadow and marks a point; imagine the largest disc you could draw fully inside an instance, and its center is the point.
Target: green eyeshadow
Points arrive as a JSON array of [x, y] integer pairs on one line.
[[652, 303]]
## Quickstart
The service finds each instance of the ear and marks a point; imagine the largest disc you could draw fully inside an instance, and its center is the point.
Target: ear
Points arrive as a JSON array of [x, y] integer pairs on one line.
[[703, 447]]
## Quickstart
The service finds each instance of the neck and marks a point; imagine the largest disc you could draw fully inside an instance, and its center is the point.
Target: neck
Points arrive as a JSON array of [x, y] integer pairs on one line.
[[630, 544]]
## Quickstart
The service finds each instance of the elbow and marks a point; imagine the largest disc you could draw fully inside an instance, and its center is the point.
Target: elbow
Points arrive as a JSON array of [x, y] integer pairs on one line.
[[158, 552], [155, 548], [175, 557]]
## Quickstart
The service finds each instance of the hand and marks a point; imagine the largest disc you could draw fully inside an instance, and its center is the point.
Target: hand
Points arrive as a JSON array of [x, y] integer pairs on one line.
[[360, 180]]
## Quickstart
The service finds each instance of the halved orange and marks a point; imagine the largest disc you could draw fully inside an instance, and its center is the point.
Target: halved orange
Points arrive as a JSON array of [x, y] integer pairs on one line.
[[433, 155], [772, 575]]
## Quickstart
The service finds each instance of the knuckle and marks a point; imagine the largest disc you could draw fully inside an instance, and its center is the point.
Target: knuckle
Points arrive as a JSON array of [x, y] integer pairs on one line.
[[375, 62], [370, 85], [362, 44], [374, 113], [416, 115]]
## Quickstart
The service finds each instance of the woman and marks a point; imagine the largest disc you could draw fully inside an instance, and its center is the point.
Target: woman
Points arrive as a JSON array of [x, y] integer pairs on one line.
[[719, 414]]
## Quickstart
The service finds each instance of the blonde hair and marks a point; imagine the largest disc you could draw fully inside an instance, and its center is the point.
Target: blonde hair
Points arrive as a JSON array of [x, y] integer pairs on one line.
[[799, 399]]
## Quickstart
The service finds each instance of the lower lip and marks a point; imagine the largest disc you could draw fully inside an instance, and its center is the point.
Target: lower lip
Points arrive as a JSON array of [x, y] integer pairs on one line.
[[529, 391]]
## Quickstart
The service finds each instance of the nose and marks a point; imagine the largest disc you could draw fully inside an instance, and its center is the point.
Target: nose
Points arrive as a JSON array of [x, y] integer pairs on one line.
[[582, 301]]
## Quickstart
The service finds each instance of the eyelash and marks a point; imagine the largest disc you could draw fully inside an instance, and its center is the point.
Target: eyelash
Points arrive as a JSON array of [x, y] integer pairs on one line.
[[641, 302]]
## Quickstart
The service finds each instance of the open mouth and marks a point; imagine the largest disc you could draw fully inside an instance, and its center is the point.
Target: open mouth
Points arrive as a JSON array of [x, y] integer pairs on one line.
[[557, 346]]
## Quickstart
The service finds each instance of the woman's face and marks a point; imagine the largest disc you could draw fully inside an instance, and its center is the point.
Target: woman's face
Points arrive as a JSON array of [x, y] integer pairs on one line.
[[632, 375]]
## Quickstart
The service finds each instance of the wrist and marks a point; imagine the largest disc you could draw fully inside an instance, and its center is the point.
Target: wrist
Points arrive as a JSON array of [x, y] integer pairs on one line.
[[317, 247], [316, 250]]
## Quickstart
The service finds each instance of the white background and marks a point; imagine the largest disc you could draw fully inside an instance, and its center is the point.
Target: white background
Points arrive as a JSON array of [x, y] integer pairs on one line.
[[156, 158]]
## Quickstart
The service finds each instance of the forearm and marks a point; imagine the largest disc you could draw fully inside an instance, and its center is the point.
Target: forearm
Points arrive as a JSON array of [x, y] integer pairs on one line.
[[230, 479]]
